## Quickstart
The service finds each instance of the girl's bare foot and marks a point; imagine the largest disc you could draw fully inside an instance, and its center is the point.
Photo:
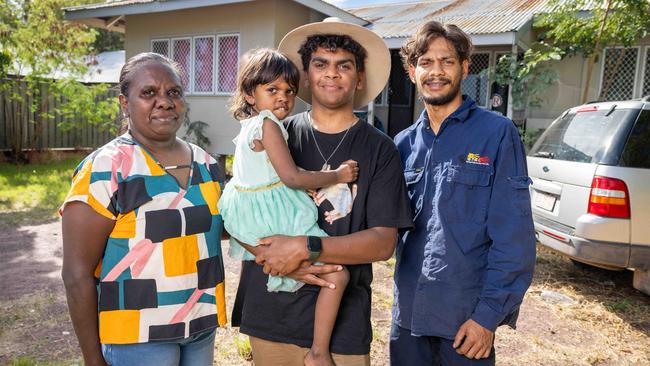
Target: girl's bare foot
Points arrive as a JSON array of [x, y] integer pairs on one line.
[[318, 359]]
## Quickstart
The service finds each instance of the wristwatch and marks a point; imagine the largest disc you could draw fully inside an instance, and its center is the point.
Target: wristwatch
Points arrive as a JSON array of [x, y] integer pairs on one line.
[[314, 246]]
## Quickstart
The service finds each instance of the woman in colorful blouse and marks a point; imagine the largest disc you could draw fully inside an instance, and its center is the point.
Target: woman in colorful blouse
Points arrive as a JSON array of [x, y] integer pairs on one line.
[[142, 260]]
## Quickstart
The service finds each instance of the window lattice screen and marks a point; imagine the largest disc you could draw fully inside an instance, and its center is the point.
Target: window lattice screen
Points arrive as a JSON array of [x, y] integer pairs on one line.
[[208, 63], [618, 74], [646, 77], [181, 49], [160, 47], [476, 85], [228, 59], [204, 64]]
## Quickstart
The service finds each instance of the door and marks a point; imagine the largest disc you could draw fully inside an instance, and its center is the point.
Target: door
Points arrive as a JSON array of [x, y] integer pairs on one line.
[[401, 95]]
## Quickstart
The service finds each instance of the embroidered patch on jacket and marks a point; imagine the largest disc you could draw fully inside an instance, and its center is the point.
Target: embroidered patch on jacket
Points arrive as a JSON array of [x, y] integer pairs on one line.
[[473, 158]]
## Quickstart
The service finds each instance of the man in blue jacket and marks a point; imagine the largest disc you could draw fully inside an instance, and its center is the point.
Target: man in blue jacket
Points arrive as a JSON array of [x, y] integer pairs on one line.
[[464, 268]]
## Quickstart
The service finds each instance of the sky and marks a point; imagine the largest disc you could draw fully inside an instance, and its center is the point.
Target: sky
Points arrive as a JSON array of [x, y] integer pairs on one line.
[[356, 3]]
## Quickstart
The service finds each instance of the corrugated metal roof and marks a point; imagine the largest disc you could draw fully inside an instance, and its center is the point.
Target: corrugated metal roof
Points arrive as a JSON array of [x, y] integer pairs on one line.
[[473, 16], [109, 4]]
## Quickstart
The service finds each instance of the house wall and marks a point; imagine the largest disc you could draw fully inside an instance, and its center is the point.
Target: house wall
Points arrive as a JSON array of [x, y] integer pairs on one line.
[[259, 24], [567, 92]]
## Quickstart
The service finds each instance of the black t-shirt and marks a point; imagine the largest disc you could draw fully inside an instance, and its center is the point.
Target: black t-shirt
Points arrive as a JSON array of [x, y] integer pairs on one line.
[[381, 200]]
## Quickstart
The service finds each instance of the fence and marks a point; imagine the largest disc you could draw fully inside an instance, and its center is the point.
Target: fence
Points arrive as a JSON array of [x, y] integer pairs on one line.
[[23, 129]]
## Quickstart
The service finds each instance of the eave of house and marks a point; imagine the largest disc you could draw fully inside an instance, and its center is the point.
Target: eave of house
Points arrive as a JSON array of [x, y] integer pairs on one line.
[[111, 15]]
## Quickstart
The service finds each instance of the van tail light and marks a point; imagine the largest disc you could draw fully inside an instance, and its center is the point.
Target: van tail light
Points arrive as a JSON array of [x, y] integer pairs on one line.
[[609, 198]]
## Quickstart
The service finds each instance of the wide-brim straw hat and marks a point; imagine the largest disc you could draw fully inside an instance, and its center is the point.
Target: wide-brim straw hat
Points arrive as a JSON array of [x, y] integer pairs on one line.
[[376, 68]]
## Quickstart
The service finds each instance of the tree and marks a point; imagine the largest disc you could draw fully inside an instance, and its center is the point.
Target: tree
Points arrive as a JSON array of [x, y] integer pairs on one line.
[[572, 28], [48, 53], [108, 41], [586, 27]]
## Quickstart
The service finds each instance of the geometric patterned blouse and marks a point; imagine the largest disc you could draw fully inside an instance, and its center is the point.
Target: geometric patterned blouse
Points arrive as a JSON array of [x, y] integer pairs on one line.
[[161, 276]]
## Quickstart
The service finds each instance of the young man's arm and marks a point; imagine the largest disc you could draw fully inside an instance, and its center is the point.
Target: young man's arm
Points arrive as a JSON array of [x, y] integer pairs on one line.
[[387, 209], [511, 257], [282, 255], [307, 273]]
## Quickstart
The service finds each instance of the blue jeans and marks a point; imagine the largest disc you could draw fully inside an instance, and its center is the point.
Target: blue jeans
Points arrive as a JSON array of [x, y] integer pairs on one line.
[[197, 350], [406, 349]]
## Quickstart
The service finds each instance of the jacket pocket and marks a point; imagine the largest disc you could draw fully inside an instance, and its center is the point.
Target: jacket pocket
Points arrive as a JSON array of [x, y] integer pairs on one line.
[[520, 198], [468, 194]]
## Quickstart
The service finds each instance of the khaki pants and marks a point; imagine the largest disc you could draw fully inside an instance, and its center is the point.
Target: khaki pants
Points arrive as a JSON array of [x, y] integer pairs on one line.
[[267, 353]]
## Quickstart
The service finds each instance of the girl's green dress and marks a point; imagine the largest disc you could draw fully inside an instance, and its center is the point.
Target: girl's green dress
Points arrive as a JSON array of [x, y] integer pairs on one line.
[[255, 203]]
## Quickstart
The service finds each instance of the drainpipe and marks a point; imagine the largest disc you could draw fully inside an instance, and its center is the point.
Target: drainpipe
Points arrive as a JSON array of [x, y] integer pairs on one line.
[[371, 112], [514, 64]]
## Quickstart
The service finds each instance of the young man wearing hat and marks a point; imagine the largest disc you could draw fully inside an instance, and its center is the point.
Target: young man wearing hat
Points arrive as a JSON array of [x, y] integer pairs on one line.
[[465, 266], [344, 67]]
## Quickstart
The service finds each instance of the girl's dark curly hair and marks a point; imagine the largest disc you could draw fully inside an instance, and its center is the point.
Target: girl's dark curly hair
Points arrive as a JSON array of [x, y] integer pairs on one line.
[[260, 66]]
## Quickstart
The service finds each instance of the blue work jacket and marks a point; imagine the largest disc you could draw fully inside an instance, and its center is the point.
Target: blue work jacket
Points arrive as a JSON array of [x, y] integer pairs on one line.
[[471, 253]]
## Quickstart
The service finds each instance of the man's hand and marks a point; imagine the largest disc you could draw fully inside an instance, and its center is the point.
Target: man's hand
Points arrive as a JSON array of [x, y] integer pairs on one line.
[[308, 273], [473, 341], [281, 254]]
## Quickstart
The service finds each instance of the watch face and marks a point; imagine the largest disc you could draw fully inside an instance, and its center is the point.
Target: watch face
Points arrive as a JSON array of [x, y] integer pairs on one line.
[[314, 244]]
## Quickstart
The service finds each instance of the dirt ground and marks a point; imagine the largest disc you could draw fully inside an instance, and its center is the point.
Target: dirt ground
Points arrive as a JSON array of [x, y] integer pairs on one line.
[[604, 321]]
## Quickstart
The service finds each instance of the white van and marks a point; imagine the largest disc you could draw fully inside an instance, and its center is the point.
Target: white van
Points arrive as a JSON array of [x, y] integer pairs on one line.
[[591, 186]]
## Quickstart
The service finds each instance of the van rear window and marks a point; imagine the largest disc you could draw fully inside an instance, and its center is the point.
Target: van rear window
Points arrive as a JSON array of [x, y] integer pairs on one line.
[[586, 137], [637, 149]]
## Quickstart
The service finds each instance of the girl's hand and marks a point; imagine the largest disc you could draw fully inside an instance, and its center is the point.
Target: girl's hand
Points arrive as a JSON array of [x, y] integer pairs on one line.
[[347, 172]]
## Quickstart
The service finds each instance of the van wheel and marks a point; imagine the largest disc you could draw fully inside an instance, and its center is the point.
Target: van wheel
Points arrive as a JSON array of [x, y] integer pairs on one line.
[[580, 265], [641, 280]]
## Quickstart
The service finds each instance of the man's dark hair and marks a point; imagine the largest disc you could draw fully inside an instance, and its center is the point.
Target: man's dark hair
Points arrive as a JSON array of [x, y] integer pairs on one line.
[[332, 42], [419, 44]]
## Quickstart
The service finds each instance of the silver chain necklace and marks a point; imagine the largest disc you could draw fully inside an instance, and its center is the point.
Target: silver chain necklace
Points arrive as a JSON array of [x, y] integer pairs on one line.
[[326, 165]]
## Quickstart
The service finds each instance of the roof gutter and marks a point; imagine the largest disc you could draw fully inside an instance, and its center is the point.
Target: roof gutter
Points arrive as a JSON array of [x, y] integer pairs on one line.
[[91, 15], [85, 12], [496, 39]]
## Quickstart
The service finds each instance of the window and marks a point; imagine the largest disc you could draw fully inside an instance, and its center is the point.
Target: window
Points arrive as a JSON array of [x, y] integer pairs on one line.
[[475, 84], [204, 65], [209, 63], [228, 59], [646, 79], [619, 73], [637, 149], [181, 53], [584, 137], [160, 46], [382, 99]]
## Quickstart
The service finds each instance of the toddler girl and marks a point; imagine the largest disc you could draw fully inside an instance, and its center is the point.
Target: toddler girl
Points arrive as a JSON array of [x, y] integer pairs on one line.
[[265, 195]]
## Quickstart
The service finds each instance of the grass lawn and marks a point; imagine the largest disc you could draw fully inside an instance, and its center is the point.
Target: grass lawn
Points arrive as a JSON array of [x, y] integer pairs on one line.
[[31, 194]]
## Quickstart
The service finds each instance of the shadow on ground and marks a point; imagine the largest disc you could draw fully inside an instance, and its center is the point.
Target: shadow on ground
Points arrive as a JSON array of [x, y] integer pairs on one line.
[[34, 321], [611, 288]]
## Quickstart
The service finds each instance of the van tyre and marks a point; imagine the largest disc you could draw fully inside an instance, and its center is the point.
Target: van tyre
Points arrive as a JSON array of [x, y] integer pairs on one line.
[[641, 280]]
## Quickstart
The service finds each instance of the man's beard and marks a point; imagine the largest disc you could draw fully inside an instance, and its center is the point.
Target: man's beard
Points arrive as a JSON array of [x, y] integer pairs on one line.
[[443, 99]]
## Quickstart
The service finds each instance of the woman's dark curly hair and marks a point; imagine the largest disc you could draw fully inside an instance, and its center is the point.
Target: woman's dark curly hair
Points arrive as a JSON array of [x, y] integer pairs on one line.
[[332, 42]]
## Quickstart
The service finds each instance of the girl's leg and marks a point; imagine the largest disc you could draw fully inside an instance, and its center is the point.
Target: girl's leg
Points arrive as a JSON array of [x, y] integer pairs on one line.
[[327, 308], [198, 351]]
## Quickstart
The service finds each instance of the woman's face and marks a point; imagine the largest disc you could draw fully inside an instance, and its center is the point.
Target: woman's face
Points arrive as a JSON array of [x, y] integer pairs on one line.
[[155, 103]]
